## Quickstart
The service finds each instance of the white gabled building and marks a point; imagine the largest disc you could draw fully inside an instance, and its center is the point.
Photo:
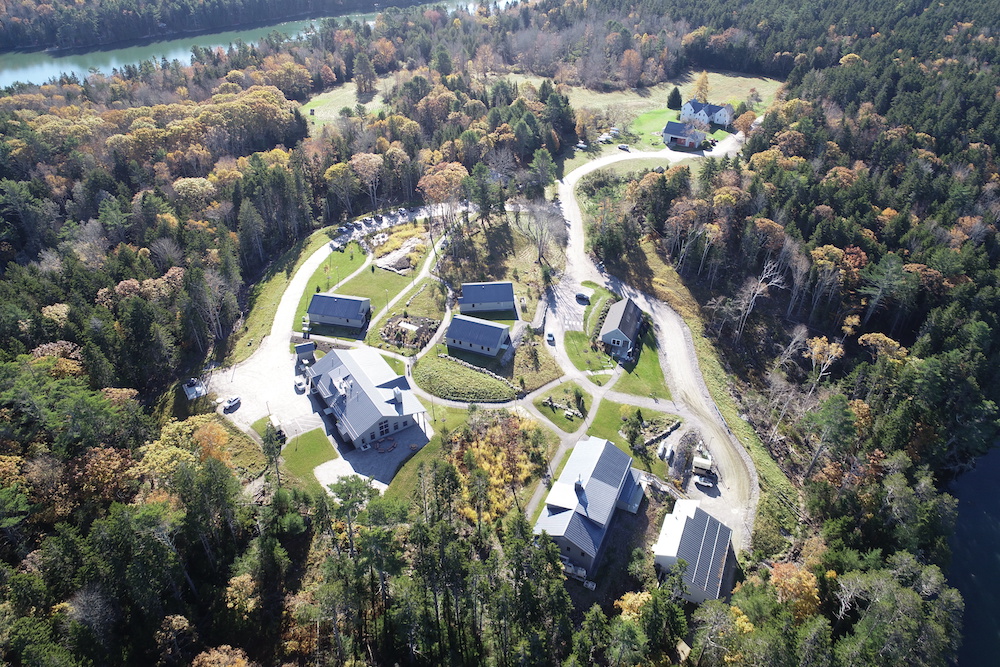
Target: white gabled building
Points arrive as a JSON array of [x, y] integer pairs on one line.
[[702, 541], [707, 113]]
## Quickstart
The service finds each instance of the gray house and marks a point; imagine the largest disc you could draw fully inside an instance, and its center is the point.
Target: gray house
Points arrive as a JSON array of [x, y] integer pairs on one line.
[[486, 297], [366, 398], [620, 332], [340, 310], [475, 335], [682, 134], [597, 480], [702, 541]]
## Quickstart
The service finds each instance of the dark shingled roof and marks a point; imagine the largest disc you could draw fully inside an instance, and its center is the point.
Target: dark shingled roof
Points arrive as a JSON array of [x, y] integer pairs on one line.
[[476, 331], [710, 109], [336, 305], [675, 129], [624, 316], [487, 292]]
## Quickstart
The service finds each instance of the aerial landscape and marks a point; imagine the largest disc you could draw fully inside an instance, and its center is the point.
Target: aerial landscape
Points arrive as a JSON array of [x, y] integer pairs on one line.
[[576, 332]]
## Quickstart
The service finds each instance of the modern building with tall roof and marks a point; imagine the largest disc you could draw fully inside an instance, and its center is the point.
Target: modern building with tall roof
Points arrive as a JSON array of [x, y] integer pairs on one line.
[[486, 297], [366, 398], [691, 534], [339, 310], [620, 332], [598, 479], [472, 334]]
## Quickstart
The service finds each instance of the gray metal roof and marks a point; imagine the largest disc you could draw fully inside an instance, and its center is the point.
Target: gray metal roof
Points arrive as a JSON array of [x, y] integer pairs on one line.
[[704, 545], [337, 305], [361, 388], [624, 316], [710, 109], [487, 292], [594, 474], [676, 129], [478, 332]]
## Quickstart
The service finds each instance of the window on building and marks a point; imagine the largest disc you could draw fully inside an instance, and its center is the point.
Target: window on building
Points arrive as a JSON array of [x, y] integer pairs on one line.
[[372, 435], [616, 342], [395, 426], [383, 427], [405, 423]]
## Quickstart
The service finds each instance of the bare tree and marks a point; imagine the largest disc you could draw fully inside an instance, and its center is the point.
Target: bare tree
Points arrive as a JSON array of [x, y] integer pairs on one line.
[[770, 277], [165, 253]]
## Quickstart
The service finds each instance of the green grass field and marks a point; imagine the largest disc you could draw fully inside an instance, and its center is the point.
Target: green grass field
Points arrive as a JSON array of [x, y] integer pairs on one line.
[[404, 484], [339, 265], [448, 379], [564, 394], [428, 302], [608, 421], [395, 364], [583, 357], [302, 454], [597, 302], [379, 285], [325, 107], [645, 376], [266, 293]]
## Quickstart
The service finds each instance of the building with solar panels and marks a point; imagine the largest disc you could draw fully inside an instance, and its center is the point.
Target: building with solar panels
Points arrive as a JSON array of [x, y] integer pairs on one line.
[[691, 534]]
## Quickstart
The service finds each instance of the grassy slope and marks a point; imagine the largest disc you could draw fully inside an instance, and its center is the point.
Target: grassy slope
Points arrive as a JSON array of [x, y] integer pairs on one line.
[[338, 266], [266, 293], [376, 284], [302, 454], [645, 377], [583, 357], [448, 379], [395, 364], [564, 394], [327, 106]]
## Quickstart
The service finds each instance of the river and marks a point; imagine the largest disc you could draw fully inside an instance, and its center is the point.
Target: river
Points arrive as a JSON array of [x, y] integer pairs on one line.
[[976, 559], [40, 66]]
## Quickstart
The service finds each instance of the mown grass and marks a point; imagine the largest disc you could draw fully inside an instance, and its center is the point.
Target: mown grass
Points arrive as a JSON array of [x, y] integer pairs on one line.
[[404, 484], [301, 456], [266, 294], [644, 377], [395, 364], [339, 265], [379, 285], [260, 426], [664, 282], [639, 166], [327, 106], [583, 356], [451, 380], [427, 302], [533, 365], [607, 423], [564, 394], [598, 300]]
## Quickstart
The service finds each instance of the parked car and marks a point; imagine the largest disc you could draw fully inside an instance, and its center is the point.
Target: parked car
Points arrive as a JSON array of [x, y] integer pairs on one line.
[[231, 403], [581, 146], [623, 147], [300, 383], [192, 382], [400, 211], [550, 338], [702, 480], [582, 298]]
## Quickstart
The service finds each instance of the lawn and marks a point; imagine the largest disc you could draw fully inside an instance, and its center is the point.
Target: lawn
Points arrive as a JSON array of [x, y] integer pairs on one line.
[[325, 107], [266, 293], [260, 425], [395, 364], [593, 310], [449, 379], [608, 421], [404, 484], [583, 356], [644, 377], [339, 265], [564, 394], [533, 365], [301, 456], [379, 285], [426, 301], [649, 125]]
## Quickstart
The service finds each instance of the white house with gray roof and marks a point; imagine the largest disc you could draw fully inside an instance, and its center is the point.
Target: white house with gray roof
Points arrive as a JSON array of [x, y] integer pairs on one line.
[[339, 310], [707, 113], [597, 480], [620, 332], [486, 297], [472, 334], [366, 398], [702, 541]]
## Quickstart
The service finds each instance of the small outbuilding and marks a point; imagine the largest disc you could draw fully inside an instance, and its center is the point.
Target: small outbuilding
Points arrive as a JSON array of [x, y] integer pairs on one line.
[[691, 534], [339, 310], [486, 297], [682, 134], [472, 334]]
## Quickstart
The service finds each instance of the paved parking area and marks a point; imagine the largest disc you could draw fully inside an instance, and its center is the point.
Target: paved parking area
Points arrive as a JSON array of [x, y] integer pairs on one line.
[[378, 466]]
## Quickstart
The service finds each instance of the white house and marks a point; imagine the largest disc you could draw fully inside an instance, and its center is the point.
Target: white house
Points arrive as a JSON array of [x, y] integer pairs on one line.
[[475, 335], [597, 479], [486, 297], [340, 310], [620, 332], [366, 398], [702, 541], [682, 134], [707, 113]]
